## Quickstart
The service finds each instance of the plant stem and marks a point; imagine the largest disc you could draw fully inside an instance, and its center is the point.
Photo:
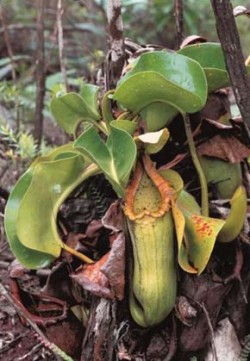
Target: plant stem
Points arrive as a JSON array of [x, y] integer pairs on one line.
[[77, 254], [203, 182], [106, 108], [102, 126]]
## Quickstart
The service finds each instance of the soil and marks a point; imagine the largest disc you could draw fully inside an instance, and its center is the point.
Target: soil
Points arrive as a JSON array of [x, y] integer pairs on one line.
[[17, 341]]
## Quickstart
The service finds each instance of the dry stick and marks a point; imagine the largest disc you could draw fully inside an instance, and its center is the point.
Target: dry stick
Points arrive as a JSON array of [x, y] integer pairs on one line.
[[230, 42], [61, 44], [117, 53], [211, 330], [40, 72], [210, 326], [179, 23], [14, 303]]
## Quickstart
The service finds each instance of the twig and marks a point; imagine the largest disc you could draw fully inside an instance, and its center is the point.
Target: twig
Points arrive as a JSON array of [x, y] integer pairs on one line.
[[33, 350], [9, 344], [117, 53], [202, 306], [55, 349], [230, 42], [179, 24], [60, 43], [40, 73]]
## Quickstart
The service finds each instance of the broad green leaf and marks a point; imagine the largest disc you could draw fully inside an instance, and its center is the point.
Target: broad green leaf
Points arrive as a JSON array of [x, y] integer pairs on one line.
[[163, 77], [115, 158], [31, 211], [236, 218], [51, 183], [154, 141], [158, 115], [71, 109], [225, 176], [52, 155], [28, 257], [174, 179], [211, 58], [196, 235], [180, 223], [89, 93], [124, 124]]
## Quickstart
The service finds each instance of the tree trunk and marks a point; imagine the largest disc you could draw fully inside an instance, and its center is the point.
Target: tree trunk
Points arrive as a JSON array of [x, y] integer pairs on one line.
[[230, 42]]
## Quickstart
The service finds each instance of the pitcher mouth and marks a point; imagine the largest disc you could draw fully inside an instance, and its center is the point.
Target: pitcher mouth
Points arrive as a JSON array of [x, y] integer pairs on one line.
[[163, 186]]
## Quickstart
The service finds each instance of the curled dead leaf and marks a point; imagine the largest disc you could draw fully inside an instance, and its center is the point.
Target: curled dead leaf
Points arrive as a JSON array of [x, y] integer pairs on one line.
[[229, 149], [193, 39], [241, 10], [114, 268], [93, 280], [113, 218], [105, 278]]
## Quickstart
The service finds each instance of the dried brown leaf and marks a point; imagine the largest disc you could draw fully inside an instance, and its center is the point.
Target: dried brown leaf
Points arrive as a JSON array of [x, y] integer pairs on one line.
[[114, 268], [218, 124], [105, 278], [16, 270], [192, 39], [113, 218], [93, 280], [229, 149], [217, 108]]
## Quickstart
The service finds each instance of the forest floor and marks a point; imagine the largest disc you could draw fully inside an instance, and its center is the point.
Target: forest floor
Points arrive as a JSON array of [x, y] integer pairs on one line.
[[17, 340]]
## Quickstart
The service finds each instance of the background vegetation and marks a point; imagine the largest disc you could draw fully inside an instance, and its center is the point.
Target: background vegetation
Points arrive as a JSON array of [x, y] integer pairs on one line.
[[85, 46]]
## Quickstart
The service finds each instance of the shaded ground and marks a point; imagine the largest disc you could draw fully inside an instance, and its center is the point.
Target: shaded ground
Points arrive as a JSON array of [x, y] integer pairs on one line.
[[17, 341]]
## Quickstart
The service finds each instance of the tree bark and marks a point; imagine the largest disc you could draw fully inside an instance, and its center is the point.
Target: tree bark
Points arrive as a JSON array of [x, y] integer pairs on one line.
[[61, 44], [179, 25], [8, 44], [40, 73], [230, 42], [117, 54]]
